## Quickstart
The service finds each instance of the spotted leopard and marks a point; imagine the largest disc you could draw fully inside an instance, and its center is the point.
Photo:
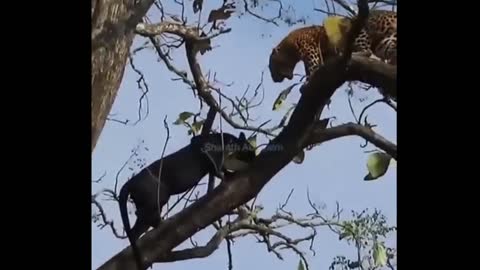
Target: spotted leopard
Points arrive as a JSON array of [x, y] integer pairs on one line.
[[311, 45], [302, 44]]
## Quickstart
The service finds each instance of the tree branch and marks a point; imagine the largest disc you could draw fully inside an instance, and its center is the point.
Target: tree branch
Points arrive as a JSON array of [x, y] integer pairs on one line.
[[207, 126], [373, 72], [191, 36], [387, 2], [323, 135], [186, 32], [203, 88], [180, 73], [205, 251], [105, 220]]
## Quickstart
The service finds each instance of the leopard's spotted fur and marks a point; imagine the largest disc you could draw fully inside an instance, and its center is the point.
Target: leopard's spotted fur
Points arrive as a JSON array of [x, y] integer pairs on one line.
[[311, 45]]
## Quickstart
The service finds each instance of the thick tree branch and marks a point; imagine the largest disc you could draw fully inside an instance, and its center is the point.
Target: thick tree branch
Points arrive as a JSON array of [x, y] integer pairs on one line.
[[244, 185], [349, 129], [207, 126], [373, 72], [387, 2], [186, 32]]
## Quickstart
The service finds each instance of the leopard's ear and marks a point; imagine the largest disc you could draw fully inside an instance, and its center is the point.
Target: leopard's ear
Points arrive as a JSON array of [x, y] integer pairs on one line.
[[275, 50]]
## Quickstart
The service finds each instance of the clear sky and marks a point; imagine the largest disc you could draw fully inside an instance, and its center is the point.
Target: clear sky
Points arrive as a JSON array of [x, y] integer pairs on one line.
[[332, 172]]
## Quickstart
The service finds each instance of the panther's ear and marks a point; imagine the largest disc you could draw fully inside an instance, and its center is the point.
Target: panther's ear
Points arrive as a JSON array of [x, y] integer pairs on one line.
[[242, 136]]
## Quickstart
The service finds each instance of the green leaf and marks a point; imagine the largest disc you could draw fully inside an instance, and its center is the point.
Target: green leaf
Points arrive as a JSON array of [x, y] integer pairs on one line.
[[282, 96], [348, 229], [377, 165], [379, 254], [300, 265], [182, 117], [393, 163], [253, 141], [279, 101], [197, 126]]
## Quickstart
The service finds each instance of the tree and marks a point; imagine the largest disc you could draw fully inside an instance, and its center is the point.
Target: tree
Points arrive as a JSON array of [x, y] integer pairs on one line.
[[113, 25], [180, 39]]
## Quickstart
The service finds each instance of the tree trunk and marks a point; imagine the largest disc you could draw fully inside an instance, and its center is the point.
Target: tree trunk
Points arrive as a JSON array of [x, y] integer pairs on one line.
[[113, 25]]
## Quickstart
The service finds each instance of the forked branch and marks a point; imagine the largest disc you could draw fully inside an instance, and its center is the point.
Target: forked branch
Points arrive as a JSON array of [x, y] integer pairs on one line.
[[192, 37]]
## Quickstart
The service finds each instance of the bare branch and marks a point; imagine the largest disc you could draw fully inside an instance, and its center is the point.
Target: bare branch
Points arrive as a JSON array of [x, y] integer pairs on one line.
[[272, 20], [123, 122], [180, 73], [346, 6], [202, 88], [100, 178], [186, 32], [133, 154], [323, 135], [105, 221], [229, 252], [326, 12], [190, 34], [165, 124], [143, 86], [201, 252], [286, 201], [234, 105], [351, 109], [368, 106]]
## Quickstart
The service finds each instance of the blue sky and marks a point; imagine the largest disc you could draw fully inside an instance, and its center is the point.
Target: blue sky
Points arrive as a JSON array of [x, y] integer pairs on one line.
[[331, 172]]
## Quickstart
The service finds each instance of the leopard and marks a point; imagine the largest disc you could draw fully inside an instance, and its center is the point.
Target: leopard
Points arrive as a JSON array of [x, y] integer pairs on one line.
[[378, 37], [308, 44], [311, 45]]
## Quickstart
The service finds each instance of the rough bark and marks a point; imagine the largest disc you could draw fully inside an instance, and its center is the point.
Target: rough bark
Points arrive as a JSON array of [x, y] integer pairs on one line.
[[374, 72], [113, 25]]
